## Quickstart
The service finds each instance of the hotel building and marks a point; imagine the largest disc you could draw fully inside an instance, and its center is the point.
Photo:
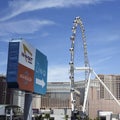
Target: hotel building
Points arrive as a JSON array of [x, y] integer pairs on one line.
[[58, 96]]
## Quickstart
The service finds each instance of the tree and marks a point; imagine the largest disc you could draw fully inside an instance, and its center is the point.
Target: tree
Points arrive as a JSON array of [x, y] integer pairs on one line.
[[66, 117], [47, 116]]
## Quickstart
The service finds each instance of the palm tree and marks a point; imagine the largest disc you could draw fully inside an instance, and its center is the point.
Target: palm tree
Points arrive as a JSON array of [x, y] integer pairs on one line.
[[47, 116], [66, 117]]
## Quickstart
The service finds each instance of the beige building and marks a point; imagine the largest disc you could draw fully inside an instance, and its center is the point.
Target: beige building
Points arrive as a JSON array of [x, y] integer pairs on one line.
[[100, 99], [58, 95], [113, 83], [36, 102]]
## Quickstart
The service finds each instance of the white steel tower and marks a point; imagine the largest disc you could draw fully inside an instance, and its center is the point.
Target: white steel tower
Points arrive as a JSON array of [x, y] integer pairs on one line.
[[77, 22]]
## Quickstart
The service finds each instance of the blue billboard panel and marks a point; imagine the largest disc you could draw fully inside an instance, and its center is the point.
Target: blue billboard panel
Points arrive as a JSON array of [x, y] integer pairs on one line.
[[40, 73], [12, 66]]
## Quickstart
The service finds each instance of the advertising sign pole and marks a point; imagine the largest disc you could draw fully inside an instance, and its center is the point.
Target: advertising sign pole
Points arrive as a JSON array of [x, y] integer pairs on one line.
[[28, 107], [26, 71]]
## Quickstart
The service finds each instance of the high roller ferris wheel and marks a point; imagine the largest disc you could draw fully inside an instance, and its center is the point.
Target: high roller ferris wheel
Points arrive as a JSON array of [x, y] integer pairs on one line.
[[87, 69]]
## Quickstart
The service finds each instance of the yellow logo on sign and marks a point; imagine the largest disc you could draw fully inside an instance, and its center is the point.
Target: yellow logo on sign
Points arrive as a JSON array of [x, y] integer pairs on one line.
[[27, 54]]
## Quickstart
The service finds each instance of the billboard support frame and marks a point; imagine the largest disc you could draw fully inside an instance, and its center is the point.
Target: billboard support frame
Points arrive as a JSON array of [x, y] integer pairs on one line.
[[28, 107], [26, 71]]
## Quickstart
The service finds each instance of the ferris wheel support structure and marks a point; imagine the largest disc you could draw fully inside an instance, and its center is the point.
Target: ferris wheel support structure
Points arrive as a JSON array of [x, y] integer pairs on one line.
[[77, 22], [88, 70]]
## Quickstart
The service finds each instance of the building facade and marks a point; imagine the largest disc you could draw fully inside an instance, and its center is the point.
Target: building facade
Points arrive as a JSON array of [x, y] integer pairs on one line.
[[10, 96], [58, 95], [3, 88], [113, 83], [99, 99]]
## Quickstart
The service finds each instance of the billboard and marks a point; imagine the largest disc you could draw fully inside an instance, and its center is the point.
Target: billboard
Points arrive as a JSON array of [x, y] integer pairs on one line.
[[40, 73], [27, 67]]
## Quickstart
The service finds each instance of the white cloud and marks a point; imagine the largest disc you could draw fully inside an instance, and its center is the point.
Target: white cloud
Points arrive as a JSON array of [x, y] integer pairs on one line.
[[108, 37], [103, 56], [5, 39], [3, 63], [113, 37], [1, 53], [23, 26], [109, 51], [17, 7], [45, 34], [58, 73], [102, 60]]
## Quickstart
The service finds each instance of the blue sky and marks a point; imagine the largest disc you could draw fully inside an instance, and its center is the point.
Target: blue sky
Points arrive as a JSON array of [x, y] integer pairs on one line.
[[46, 24]]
